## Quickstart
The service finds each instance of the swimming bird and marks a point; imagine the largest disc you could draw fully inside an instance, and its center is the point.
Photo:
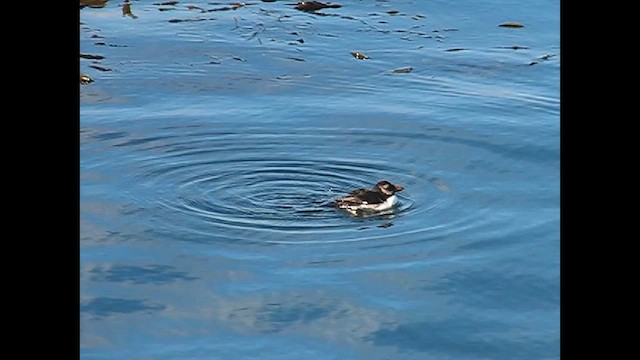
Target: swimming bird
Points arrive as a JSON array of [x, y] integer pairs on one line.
[[381, 197]]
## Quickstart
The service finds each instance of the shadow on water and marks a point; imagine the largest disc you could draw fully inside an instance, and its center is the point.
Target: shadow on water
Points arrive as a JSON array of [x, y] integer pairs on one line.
[[465, 338], [149, 274], [274, 318], [107, 306], [487, 289]]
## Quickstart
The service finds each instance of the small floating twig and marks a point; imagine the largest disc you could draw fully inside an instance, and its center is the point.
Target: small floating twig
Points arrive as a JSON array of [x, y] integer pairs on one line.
[[514, 47]]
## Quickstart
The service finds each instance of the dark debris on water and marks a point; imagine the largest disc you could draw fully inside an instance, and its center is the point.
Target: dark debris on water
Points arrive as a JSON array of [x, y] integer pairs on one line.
[[187, 20], [541, 58], [513, 47], [511, 24], [99, 68], [91, 57], [311, 6], [234, 6], [96, 4]]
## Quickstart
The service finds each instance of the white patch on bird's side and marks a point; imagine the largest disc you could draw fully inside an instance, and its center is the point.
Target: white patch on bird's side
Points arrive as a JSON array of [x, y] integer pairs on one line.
[[386, 205]]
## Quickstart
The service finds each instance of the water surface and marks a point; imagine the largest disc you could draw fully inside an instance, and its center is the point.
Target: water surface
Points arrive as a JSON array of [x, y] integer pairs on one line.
[[212, 144]]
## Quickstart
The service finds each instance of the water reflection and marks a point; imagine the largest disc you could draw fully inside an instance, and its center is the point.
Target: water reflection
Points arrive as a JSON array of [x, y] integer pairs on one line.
[[126, 10], [316, 314], [465, 338]]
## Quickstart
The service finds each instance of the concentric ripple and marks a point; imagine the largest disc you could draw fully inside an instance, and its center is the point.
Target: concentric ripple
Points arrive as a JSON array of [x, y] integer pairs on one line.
[[224, 181], [286, 195], [211, 183]]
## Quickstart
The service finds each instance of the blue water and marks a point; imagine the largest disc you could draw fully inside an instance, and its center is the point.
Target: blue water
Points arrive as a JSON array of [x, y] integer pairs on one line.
[[212, 146]]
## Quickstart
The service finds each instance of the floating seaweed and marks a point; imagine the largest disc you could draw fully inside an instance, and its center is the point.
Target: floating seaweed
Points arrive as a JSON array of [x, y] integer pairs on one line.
[[99, 68], [311, 6], [91, 57], [185, 20], [514, 47], [541, 58], [126, 10]]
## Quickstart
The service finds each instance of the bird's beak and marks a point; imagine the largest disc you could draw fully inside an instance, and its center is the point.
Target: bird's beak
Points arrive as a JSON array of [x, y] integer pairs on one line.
[[399, 187]]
